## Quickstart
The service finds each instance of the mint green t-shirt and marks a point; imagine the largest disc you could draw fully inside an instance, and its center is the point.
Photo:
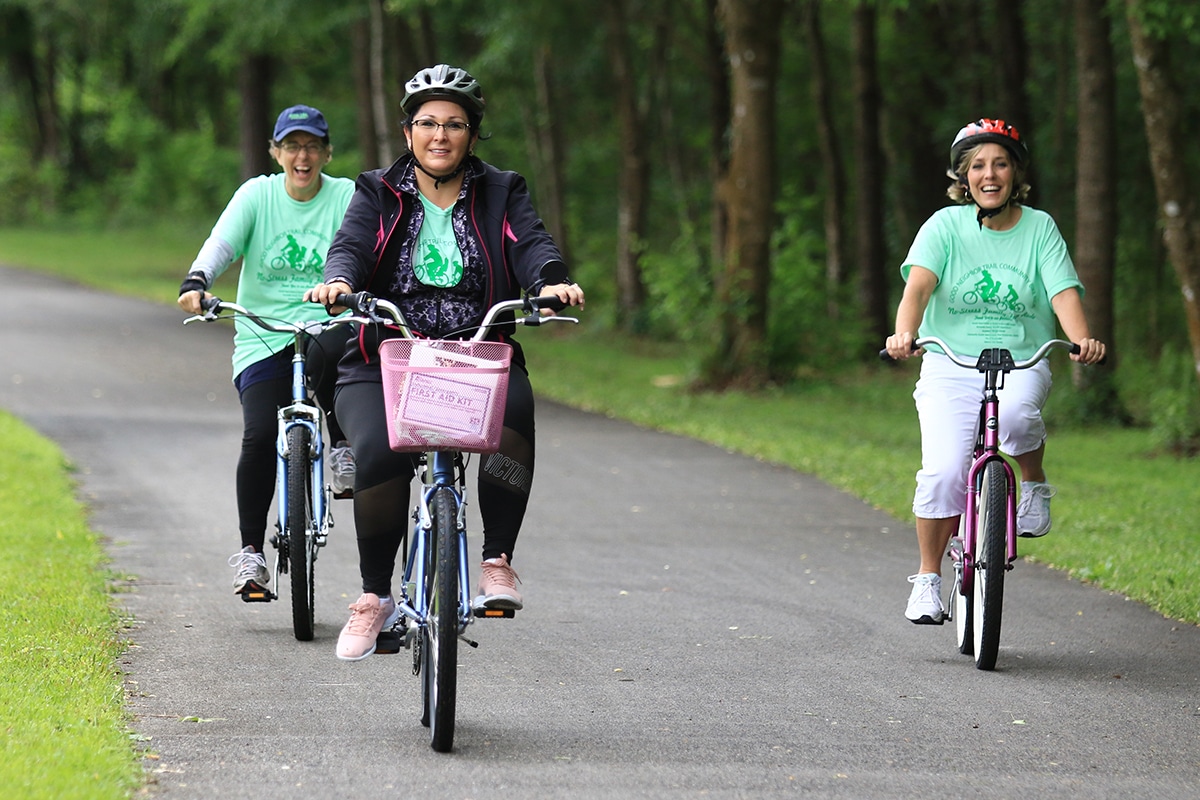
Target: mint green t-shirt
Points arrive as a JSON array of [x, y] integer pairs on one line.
[[437, 259], [994, 287], [283, 243]]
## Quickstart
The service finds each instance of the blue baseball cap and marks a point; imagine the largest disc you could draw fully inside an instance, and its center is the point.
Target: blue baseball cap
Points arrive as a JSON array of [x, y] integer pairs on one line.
[[301, 118]]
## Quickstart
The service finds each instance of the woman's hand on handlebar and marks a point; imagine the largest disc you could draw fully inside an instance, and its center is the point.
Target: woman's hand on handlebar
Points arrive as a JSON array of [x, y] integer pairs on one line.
[[1091, 351], [326, 294], [190, 301], [569, 293], [900, 346]]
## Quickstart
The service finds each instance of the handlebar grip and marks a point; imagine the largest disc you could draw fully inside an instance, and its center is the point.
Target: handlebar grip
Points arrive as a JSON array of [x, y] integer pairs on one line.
[[883, 354], [209, 303], [550, 301], [358, 302], [1076, 349]]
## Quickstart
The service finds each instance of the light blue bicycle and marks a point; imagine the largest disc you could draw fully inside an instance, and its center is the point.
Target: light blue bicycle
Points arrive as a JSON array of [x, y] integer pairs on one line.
[[304, 514], [445, 398]]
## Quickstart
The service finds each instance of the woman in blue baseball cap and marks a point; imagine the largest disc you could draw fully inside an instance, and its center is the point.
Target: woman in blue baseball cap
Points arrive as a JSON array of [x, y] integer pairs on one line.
[[281, 226]]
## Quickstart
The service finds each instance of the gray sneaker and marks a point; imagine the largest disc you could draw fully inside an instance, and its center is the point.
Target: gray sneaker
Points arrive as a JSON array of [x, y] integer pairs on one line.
[[341, 468], [1033, 509], [252, 574]]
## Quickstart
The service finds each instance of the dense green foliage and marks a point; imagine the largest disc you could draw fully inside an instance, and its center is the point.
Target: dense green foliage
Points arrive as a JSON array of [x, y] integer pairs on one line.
[[146, 101]]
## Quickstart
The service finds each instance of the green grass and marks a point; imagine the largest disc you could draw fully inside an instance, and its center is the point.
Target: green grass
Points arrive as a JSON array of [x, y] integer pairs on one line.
[[1124, 517], [62, 697], [141, 263]]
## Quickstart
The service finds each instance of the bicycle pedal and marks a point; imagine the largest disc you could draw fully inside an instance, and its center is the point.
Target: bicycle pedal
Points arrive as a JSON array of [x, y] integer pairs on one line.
[[389, 642], [498, 613], [257, 596], [346, 495]]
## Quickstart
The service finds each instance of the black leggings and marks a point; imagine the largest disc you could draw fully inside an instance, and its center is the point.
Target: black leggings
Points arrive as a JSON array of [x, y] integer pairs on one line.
[[381, 496], [261, 400]]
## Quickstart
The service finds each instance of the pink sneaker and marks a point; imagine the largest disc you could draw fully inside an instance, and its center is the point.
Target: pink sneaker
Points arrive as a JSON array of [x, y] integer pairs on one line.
[[371, 615], [498, 585]]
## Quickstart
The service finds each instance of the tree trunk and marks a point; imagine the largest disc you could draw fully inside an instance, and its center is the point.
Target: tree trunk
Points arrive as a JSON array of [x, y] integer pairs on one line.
[[918, 161], [752, 43], [254, 114], [368, 134], [1162, 108], [632, 183], [550, 150], [831, 159], [20, 51], [1011, 51], [676, 155], [718, 83], [1096, 188], [379, 94], [869, 180]]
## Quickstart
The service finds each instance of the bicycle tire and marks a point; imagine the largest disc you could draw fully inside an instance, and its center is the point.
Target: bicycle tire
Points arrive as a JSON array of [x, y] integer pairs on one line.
[[300, 537], [441, 656], [991, 563]]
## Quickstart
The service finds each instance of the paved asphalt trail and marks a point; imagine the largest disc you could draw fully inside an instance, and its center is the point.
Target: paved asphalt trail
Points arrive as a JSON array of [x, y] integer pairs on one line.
[[697, 624]]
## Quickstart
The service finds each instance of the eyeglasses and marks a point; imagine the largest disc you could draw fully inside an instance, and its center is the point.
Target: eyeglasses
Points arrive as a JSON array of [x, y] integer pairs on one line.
[[312, 148], [452, 129]]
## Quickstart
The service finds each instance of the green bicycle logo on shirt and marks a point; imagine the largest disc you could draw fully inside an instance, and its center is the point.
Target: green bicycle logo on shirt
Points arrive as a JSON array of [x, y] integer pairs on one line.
[[987, 290], [438, 269], [297, 257]]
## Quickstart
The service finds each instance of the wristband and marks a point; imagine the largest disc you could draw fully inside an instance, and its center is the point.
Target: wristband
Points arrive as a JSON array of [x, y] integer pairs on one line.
[[194, 282]]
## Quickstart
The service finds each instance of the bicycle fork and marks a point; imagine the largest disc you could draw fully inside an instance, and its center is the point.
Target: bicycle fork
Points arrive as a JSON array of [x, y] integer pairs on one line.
[[307, 416]]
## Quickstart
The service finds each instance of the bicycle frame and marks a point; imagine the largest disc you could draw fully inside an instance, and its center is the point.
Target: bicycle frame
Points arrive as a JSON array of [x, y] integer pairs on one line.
[[443, 469], [303, 411], [992, 363]]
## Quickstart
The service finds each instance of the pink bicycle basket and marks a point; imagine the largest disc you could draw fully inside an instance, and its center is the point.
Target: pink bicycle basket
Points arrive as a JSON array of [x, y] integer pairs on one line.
[[444, 395]]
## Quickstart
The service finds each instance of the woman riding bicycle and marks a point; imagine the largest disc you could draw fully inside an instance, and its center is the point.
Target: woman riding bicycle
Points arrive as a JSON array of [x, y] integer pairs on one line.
[[443, 235], [281, 226], [1021, 250]]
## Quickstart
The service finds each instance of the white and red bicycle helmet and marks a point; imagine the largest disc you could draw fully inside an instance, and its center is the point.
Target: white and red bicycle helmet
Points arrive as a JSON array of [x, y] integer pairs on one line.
[[983, 131]]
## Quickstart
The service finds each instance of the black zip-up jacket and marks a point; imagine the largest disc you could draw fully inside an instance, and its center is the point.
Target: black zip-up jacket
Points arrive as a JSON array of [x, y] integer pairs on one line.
[[509, 244]]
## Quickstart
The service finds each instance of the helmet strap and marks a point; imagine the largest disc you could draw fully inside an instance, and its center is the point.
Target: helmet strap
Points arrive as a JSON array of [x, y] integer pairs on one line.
[[983, 213], [438, 180], [988, 213]]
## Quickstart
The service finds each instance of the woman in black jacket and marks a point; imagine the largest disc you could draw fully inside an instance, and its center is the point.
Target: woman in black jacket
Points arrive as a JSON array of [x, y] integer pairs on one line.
[[444, 236]]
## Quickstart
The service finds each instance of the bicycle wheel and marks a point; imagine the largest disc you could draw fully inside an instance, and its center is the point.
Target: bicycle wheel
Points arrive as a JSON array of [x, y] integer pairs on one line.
[[441, 654], [963, 608], [300, 530], [991, 562]]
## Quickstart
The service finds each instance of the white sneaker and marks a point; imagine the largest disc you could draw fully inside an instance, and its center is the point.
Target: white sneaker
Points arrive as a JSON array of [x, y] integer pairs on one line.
[[1033, 509], [252, 574], [925, 602], [341, 468]]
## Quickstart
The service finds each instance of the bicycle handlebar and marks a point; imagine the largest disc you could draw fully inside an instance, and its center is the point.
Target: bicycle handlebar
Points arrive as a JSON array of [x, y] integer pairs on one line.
[[1042, 352], [213, 306], [369, 308]]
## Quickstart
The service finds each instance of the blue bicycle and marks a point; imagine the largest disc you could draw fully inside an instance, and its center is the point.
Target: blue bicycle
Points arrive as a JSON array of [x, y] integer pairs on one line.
[[445, 398], [304, 508]]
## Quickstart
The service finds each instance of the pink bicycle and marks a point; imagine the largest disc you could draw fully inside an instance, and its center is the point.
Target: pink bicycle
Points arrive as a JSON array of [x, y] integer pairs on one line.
[[985, 547]]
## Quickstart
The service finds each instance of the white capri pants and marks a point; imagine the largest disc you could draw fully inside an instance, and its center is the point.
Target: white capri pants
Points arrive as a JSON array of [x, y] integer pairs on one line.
[[948, 398]]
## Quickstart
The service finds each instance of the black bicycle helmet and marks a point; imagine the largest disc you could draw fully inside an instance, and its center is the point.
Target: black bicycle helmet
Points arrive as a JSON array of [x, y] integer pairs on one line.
[[444, 82], [983, 131]]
